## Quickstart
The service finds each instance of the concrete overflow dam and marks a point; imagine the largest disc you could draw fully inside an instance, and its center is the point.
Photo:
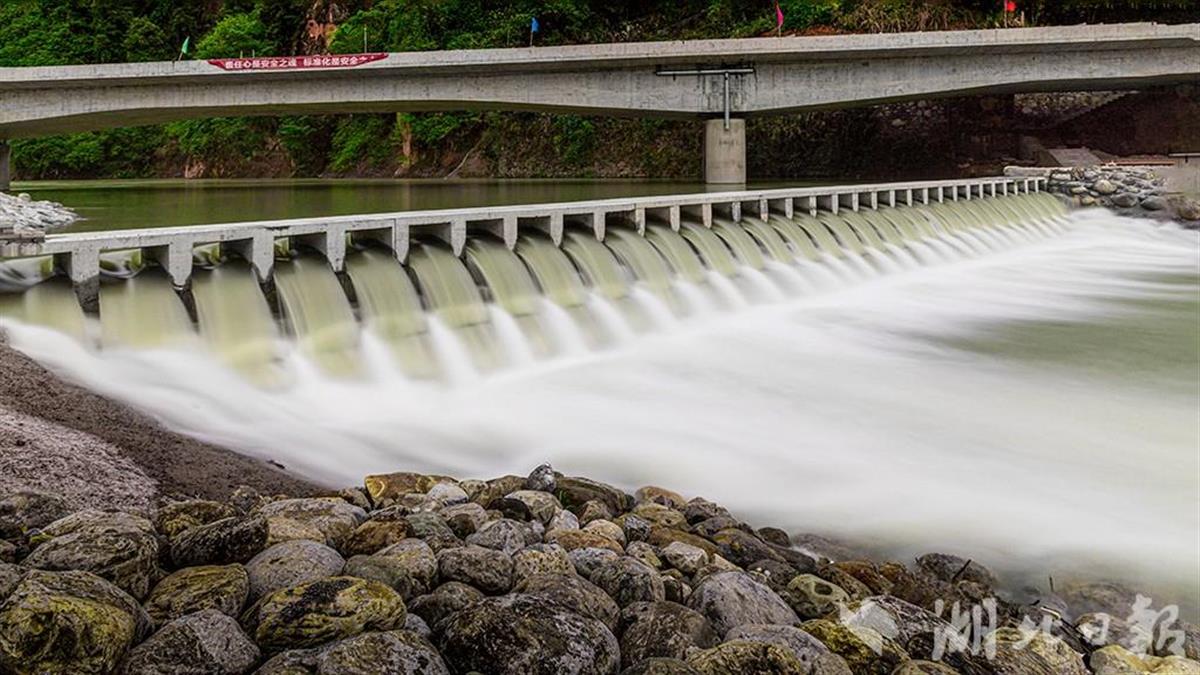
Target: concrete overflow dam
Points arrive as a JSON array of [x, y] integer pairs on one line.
[[482, 289]]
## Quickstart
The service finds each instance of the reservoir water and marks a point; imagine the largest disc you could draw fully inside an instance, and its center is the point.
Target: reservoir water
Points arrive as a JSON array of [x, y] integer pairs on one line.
[[1016, 384]]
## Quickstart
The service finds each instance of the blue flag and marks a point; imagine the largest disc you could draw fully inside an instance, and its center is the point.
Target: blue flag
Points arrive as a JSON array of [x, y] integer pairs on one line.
[[533, 25]]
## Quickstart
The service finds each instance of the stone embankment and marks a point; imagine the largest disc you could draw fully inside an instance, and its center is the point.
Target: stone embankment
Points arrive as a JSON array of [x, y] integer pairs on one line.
[[544, 574], [1128, 190], [22, 217]]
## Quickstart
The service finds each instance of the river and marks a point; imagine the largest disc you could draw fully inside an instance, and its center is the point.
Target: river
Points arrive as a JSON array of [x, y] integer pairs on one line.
[[1033, 406]]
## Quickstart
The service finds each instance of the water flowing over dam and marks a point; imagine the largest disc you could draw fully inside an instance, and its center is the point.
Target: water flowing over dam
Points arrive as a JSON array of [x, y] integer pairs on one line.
[[981, 375]]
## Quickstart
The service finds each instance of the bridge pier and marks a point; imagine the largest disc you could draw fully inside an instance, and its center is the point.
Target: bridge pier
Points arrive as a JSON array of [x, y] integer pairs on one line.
[[725, 152], [5, 166]]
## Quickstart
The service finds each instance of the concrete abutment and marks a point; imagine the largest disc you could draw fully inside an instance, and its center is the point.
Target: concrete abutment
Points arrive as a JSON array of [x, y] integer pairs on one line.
[[725, 152]]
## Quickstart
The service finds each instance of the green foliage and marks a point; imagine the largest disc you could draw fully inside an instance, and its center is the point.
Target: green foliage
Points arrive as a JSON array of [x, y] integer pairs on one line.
[[240, 137], [360, 140], [430, 129], [118, 153], [803, 14], [235, 35], [145, 41], [575, 138]]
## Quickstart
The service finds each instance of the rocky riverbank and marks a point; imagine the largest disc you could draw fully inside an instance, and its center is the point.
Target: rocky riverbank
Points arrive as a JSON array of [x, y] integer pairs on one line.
[[23, 217], [544, 573], [1127, 190]]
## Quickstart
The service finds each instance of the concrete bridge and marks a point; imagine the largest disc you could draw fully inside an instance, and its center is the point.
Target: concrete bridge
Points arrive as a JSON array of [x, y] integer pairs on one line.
[[78, 255], [723, 81]]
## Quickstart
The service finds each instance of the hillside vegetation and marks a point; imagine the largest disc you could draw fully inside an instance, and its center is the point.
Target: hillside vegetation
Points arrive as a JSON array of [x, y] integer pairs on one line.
[[49, 32]]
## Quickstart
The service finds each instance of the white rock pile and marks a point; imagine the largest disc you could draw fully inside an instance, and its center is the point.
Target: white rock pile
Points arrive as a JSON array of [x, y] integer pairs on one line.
[[22, 217]]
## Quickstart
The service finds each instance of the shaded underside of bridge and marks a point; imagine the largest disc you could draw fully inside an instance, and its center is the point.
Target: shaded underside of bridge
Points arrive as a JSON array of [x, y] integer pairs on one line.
[[714, 79]]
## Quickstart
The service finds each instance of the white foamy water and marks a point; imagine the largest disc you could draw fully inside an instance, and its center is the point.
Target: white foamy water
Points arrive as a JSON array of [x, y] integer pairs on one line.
[[1034, 408]]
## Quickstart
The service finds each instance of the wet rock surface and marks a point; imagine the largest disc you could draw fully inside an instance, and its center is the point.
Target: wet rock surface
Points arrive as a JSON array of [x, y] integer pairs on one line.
[[547, 573], [1130, 190]]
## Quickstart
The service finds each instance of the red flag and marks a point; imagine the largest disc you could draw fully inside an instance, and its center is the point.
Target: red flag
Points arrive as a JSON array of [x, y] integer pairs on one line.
[[778, 17], [1010, 6]]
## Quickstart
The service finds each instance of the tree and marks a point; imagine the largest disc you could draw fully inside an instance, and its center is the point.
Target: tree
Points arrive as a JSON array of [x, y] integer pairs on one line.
[[235, 35]]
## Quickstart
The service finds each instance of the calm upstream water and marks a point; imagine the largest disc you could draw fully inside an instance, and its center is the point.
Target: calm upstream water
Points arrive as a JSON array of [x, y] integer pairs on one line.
[[1024, 395], [107, 205]]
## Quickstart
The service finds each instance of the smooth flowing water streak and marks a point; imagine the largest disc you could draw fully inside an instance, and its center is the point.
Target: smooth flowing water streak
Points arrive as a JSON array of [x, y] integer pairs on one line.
[[1025, 398]]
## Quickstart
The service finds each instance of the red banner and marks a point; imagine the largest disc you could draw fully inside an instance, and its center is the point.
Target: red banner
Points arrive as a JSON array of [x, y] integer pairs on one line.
[[297, 62]]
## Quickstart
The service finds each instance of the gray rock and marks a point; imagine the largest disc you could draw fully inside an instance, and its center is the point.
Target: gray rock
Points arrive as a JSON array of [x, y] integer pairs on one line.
[[29, 510], [741, 656], [464, 519], [1104, 186], [394, 652], [447, 494], [410, 567], [628, 580], [415, 624], [445, 600], [732, 599], [224, 588], [527, 635], [636, 529], [67, 622], [118, 547], [292, 563], [323, 611], [543, 506], [575, 492], [542, 479], [205, 643], [229, 540], [488, 570], [1155, 203], [501, 535], [812, 597], [809, 651], [663, 630], [685, 557], [575, 593], [1125, 200], [541, 559], [335, 518], [588, 560], [661, 667], [177, 517], [562, 521]]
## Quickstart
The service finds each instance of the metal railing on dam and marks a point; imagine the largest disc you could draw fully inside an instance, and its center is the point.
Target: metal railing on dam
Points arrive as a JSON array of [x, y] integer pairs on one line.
[[172, 248]]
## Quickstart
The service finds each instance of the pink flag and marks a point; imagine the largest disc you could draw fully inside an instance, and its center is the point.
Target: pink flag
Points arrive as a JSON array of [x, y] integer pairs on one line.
[[778, 17]]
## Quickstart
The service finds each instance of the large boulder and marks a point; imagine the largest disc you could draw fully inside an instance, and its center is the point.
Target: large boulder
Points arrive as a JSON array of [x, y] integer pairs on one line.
[[178, 517], [741, 656], [119, 547], [205, 643], [661, 666], [223, 588], [812, 597], [221, 542], [385, 489], [408, 566], [812, 654], [398, 652], [322, 611], [488, 570], [292, 563], [952, 568], [335, 518], [527, 635], [574, 492], [542, 505], [541, 559], [30, 510], [572, 540], [663, 630], [504, 534], [382, 530], [575, 593], [1036, 654], [445, 600], [864, 649], [69, 623], [732, 599], [629, 580]]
